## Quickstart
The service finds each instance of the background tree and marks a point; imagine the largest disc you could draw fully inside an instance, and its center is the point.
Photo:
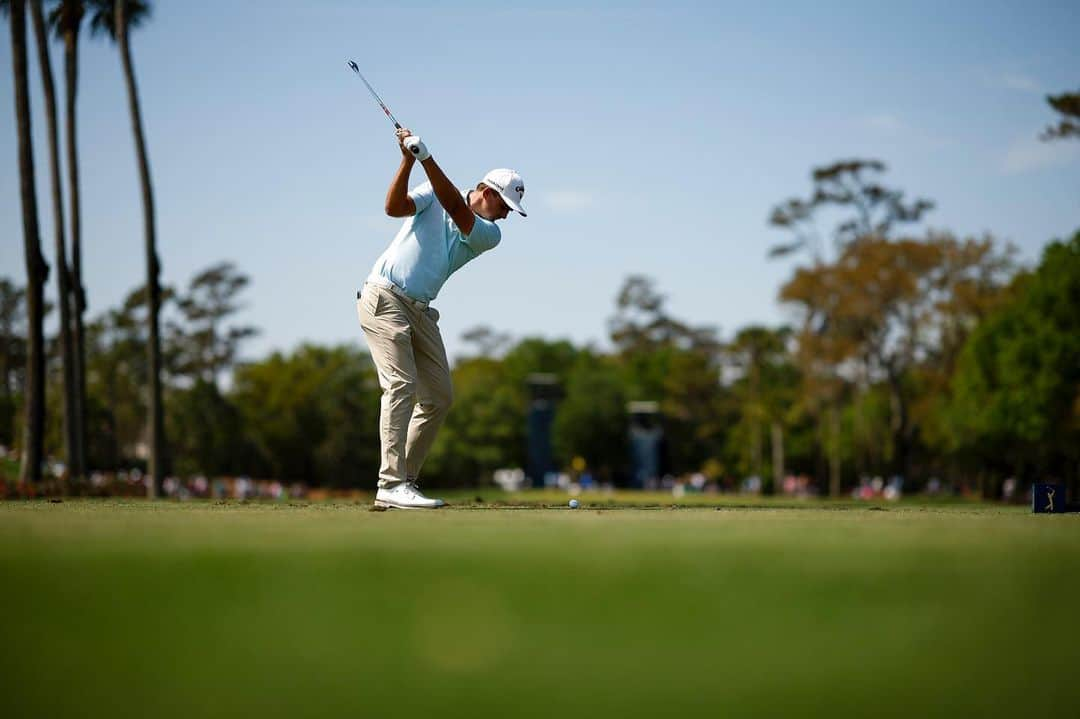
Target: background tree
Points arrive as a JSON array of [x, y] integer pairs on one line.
[[646, 337], [533, 355], [663, 359], [312, 415], [208, 425], [66, 19], [117, 19], [895, 309], [641, 323], [70, 422], [12, 356], [119, 373], [693, 405], [824, 357], [1068, 107], [1016, 400], [486, 341], [591, 420], [209, 436], [864, 209], [209, 433], [37, 271], [485, 429], [868, 208], [205, 347], [763, 391]]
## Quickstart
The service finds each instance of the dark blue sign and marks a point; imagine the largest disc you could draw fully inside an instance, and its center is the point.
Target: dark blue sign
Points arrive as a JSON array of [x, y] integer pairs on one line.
[[1048, 499]]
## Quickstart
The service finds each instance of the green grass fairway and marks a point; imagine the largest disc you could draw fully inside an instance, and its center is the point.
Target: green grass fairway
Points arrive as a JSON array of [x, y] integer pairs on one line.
[[137, 609]]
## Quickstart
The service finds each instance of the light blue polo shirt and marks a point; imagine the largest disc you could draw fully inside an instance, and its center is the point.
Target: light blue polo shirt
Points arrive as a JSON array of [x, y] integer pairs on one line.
[[429, 248]]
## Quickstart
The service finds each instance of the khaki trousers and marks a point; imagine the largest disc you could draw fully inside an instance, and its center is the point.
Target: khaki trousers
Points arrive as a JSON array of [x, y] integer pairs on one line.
[[414, 375]]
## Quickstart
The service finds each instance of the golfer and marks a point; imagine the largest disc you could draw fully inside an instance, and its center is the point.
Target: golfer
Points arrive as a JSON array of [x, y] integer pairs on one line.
[[444, 228]]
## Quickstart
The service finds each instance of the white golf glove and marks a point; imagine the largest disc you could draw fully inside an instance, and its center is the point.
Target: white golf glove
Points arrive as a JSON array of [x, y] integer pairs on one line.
[[416, 146]]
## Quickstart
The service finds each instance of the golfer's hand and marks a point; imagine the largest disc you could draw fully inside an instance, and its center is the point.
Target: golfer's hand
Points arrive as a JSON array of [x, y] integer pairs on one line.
[[402, 133], [416, 146]]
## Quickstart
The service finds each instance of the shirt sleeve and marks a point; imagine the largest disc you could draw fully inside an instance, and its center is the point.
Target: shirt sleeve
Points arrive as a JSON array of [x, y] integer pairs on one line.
[[484, 236], [422, 196]]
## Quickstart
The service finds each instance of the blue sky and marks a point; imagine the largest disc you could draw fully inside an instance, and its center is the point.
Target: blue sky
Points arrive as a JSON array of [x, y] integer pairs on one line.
[[652, 139]]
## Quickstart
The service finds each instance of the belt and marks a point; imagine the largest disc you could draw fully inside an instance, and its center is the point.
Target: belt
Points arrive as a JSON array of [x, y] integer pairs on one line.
[[419, 304]]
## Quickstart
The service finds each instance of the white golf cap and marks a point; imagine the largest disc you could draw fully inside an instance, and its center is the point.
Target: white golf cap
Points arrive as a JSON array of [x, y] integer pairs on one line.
[[510, 187]]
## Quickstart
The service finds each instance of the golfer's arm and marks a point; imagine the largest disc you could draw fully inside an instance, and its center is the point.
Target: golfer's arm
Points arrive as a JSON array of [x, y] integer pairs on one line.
[[398, 202], [449, 197]]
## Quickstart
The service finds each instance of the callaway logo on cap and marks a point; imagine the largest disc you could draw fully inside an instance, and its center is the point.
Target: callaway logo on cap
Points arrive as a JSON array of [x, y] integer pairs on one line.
[[510, 187]]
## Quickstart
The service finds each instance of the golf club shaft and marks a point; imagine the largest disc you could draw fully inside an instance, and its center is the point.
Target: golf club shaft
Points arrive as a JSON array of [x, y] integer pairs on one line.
[[375, 95]]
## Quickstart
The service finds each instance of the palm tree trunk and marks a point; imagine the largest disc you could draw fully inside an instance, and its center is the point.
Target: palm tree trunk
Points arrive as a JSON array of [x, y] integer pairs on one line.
[[156, 418], [42, 37], [755, 418], [71, 80], [900, 426], [756, 454], [834, 451], [37, 272], [777, 457]]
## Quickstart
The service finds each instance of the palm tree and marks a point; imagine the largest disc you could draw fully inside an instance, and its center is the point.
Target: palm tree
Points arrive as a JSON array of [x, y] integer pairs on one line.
[[37, 271], [116, 18], [66, 18], [42, 38]]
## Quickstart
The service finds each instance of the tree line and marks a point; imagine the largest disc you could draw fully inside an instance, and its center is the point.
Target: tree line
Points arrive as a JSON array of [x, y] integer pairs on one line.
[[919, 357], [916, 354]]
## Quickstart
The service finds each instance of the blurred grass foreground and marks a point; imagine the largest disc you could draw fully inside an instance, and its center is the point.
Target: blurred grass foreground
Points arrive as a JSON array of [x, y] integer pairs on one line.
[[132, 608]]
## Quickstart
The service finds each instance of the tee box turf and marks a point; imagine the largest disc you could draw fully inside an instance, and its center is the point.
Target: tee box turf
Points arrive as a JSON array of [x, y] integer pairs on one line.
[[1048, 499]]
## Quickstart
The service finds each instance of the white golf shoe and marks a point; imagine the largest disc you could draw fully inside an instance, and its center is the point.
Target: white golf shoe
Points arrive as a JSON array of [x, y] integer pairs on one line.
[[405, 495]]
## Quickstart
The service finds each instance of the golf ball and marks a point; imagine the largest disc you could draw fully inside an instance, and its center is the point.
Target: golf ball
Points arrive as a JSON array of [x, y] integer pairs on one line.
[[574, 504]]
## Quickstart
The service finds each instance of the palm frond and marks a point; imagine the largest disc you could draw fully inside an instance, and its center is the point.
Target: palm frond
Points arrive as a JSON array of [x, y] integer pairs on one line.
[[66, 15], [786, 249], [103, 16]]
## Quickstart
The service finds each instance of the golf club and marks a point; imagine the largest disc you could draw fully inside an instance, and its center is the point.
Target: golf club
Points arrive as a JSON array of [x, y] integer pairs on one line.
[[375, 95]]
